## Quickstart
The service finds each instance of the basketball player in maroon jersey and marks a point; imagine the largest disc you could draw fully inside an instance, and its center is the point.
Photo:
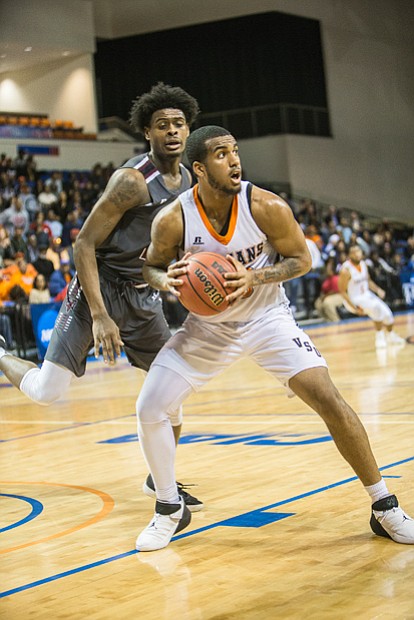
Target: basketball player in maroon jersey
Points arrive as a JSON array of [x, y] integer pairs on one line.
[[232, 217], [108, 304]]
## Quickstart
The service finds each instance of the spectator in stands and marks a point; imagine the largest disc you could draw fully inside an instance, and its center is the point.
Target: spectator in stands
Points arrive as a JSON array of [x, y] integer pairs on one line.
[[332, 217], [6, 251], [41, 229], [29, 201], [20, 164], [32, 249], [365, 242], [73, 221], [60, 278], [356, 222], [62, 207], [330, 299], [46, 198], [43, 265], [55, 183], [70, 249], [40, 293], [31, 169], [345, 230], [15, 216], [54, 223], [387, 277], [56, 253], [18, 243], [17, 280]]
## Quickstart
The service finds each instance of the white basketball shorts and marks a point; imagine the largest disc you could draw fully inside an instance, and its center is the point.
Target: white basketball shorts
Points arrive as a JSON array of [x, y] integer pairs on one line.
[[200, 350]]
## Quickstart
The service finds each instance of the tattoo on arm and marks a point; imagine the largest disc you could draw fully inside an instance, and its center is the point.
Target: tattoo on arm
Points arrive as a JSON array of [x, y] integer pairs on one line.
[[124, 192], [285, 270]]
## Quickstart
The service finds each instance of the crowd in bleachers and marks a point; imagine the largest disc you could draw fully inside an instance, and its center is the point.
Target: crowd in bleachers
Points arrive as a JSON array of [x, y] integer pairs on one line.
[[42, 212]]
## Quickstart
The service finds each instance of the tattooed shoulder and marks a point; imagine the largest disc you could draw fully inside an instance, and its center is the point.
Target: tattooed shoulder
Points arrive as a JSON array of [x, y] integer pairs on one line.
[[127, 190]]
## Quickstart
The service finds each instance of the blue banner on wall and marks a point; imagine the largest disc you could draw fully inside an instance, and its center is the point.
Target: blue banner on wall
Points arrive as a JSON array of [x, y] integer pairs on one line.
[[43, 318]]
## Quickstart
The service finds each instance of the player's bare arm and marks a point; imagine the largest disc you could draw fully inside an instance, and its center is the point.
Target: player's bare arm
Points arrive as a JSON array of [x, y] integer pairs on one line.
[[166, 239], [125, 189], [274, 217]]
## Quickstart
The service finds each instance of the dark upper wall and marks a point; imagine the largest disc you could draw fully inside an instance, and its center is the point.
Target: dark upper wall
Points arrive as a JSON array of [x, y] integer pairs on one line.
[[236, 63]]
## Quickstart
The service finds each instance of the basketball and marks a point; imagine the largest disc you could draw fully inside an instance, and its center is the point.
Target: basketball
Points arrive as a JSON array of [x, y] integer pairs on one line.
[[203, 291]]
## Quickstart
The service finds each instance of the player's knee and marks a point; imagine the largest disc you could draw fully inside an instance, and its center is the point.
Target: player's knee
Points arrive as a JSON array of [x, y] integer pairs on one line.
[[41, 392], [44, 386], [149, 410]]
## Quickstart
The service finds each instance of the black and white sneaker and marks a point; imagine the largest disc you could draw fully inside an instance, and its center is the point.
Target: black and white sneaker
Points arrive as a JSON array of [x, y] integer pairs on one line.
[[193, 504], [3, 343], [389, 520], [169, 519]]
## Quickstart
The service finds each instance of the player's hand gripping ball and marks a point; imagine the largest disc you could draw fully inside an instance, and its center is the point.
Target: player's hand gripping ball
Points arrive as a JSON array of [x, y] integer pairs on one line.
[[203, 291]]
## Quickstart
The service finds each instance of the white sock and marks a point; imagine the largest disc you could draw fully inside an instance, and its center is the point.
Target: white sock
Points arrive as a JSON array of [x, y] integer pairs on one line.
[[378, 491]]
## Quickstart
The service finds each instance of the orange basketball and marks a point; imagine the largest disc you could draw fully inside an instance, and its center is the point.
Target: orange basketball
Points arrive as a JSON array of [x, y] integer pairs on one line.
[[203, 291]]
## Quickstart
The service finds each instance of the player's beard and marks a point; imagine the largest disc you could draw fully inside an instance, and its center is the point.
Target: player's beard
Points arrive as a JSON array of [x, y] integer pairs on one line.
[[230, 191]]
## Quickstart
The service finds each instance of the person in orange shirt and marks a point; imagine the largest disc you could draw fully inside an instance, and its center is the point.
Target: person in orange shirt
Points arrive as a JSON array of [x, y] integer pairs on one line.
[[20, 274]]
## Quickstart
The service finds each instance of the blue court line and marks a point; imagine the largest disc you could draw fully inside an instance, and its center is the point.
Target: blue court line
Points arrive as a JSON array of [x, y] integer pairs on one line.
[[120, 556], [76, 425], [37, 508]]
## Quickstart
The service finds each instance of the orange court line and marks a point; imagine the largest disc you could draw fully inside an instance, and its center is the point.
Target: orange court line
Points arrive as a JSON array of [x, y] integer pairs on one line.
[[107, 500]]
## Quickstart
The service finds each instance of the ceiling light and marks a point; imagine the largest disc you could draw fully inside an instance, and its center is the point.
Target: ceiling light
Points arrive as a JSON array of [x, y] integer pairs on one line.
[[28, 49]]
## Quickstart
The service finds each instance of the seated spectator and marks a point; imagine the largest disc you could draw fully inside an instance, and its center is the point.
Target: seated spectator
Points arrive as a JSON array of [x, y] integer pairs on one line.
[[54, 223], [32, 249], [46, 198], [43, 265], [25, 274], [330, 299], [345, 229], [16, 280], [56, 252], [41, 229], [73, 236], [386, 277], [6, 251], [18, 243], [15, 216], [365, 242], [60, 278], [40, 293], [73, 222], [29, 201]]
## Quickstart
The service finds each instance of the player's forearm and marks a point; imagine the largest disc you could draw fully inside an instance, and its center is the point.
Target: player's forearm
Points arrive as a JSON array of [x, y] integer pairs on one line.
[[156, 277], [87, 270], [287, 269]]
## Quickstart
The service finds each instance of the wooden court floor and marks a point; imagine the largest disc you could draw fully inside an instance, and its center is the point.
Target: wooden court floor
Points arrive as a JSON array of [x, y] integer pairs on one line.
[[285, 529]]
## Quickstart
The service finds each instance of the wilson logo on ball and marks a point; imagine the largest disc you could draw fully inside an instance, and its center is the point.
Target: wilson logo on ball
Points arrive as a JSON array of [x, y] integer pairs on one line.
[[203, 290], [209, 289]]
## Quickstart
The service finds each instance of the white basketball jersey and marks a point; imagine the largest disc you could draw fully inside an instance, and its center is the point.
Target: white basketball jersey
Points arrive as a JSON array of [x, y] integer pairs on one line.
[[243, 240], [358, 284]]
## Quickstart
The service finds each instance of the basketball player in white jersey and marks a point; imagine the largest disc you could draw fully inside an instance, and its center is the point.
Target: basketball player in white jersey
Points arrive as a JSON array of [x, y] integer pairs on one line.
[[363, 297], [257, 230]]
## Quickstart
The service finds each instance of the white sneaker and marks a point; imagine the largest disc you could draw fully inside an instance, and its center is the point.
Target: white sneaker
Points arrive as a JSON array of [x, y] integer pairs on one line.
[[393, 338], [380, 341], [169, 519], [389, 520]]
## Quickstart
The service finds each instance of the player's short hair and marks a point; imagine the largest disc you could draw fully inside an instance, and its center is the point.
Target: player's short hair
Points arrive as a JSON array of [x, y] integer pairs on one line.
[[196, 146], [162, 96]]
